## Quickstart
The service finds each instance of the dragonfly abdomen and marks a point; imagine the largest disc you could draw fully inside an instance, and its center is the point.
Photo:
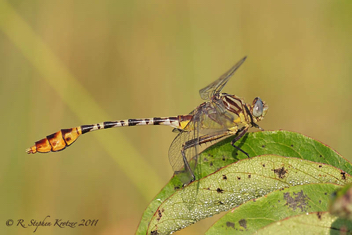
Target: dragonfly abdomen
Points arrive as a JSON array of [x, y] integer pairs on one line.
[[65, 137], [57, 141]]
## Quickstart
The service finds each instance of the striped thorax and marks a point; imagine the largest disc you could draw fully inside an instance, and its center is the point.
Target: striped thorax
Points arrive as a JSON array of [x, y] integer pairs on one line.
[[246, 114]]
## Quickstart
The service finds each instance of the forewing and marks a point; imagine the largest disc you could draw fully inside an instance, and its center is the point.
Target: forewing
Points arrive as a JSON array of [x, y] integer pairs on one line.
[[216, 87]]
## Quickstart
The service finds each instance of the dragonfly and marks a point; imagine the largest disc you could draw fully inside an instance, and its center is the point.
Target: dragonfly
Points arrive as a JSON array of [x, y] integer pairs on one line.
[[219, 116]]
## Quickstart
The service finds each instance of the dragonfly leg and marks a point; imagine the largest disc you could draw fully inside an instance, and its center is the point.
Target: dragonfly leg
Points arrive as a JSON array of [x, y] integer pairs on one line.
[[240, 133], [186, 164], [201, 140]]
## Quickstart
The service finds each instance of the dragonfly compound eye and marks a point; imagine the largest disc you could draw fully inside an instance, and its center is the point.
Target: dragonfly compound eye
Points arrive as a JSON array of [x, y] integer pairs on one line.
[[258, 107]]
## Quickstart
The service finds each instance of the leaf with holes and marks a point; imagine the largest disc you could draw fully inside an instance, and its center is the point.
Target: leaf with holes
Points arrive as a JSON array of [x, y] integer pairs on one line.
[[278, 205], [312, 223], [235, 184], [282, 143]]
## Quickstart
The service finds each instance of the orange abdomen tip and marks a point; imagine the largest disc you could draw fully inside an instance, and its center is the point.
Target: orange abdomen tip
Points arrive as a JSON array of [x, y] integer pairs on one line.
[[56, 142], [32, 150], [42, 146]]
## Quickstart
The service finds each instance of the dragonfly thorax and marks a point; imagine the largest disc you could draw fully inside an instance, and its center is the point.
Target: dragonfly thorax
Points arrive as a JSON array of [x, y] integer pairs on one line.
[[252, 113], [233, 103]]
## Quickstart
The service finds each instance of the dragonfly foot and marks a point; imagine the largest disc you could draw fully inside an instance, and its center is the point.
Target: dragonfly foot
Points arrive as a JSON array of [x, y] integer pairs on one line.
[[238, 148]]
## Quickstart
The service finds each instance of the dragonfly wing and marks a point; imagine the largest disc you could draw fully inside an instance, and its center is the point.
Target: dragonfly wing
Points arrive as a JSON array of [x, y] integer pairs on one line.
[[208, 119], [208, 92], [188, 136], [217, 117], [216, 122]]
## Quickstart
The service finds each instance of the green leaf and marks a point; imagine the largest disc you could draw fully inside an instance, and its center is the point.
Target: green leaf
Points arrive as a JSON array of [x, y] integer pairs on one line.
[[278, 205], [282, 143], [312, 223], [235, 184]]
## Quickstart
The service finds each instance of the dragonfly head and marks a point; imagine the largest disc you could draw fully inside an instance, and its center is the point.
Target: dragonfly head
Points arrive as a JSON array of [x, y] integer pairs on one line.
[[258, 109]]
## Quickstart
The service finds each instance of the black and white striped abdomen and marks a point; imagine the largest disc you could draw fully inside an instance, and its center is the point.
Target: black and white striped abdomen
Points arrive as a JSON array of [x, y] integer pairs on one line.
[[65, 137], [168, 121]]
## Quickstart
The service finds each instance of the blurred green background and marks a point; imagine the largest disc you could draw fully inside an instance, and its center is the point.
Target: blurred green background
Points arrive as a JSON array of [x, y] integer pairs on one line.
[[67, 63]]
